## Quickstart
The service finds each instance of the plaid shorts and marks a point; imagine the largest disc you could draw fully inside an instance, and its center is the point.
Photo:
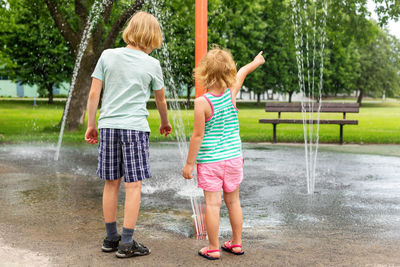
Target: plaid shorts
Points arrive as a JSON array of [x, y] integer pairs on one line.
[[123, 153]]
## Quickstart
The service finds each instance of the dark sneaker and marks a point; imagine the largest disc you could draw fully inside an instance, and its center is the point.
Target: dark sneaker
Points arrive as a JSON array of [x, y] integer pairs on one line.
[[110, 245], [131, 250]]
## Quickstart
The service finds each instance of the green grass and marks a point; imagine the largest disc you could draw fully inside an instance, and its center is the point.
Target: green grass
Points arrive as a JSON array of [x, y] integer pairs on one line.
[[378, 123]]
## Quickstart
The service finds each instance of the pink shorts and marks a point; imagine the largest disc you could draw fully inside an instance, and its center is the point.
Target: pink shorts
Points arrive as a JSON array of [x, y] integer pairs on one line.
[[226, 175]]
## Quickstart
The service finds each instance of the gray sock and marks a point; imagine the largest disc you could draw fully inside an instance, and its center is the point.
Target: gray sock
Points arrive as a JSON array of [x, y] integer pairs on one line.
[[127, 235], [111, 230]]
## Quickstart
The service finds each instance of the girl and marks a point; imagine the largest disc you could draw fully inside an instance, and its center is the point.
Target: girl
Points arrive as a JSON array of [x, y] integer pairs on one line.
[[216, 146]]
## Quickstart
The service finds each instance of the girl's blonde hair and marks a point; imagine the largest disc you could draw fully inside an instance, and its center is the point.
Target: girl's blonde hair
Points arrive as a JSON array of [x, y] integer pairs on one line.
[[218, 68], [143, 31]]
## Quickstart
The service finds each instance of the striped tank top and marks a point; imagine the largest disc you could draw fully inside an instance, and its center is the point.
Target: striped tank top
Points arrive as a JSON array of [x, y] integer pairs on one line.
[[221, 139]]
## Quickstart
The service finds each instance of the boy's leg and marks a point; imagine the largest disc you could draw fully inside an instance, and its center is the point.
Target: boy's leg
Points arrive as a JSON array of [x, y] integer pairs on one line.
[[129, 247], [213, 205], [110, 197], [109, 169], [131, 211], [232, 202], [135, 156]]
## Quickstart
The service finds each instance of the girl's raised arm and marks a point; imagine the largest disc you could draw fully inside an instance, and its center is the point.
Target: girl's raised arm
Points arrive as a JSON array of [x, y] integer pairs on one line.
[[245, 70]]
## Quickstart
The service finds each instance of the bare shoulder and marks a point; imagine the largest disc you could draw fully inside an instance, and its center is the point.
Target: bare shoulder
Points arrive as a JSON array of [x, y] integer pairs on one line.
[[201, 102], [202, 106]]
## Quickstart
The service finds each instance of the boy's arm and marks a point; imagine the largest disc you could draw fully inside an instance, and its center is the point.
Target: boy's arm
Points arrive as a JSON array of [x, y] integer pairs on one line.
[[245, 70], [161, 103], [200, 105], [93, 102]]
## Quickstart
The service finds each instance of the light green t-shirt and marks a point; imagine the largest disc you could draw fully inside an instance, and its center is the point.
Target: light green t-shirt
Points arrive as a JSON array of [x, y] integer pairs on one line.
[[128, 76]]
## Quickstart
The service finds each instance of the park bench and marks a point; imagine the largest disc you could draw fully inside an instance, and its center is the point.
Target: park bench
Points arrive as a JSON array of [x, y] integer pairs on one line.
[[325, 107]]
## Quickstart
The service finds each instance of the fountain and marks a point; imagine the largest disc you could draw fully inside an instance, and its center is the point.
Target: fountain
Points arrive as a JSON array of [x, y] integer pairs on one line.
[[302, 26], [197, 202], [97, 7]]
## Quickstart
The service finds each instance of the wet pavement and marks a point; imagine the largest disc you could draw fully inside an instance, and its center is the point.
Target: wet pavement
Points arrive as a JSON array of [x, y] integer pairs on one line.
[[51, 211]]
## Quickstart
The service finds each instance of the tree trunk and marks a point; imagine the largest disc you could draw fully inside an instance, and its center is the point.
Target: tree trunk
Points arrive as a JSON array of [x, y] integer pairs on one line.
[[360, 97], [50, 90], [76, 112], [258, 99], [290, 96], [270, 96]]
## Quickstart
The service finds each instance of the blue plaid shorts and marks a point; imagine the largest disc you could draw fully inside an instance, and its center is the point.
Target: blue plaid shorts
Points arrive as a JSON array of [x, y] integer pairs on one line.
[[123, 153]]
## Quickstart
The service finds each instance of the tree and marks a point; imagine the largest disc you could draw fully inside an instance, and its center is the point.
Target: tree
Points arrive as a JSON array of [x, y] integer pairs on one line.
[[379, 67], [37, 53], [279, 73], [71, 19]]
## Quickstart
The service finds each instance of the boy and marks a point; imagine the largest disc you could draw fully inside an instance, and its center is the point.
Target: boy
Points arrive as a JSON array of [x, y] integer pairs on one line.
[[127, 75]]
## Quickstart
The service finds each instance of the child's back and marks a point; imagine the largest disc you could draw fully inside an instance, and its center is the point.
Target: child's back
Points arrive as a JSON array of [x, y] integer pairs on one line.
[[221, 139], [127, 75]]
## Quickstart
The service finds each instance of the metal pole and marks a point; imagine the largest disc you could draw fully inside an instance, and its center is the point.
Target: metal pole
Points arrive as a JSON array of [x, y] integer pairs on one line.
[[200, 38]]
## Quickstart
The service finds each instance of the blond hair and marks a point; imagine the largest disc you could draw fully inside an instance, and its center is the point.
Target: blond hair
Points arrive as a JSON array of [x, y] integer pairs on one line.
[[216, 68], [143, 31]]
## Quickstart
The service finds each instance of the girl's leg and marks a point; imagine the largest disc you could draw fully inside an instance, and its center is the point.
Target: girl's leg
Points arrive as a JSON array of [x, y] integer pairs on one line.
[[232, 202], [213, 205], [132, 203], [110, 197]]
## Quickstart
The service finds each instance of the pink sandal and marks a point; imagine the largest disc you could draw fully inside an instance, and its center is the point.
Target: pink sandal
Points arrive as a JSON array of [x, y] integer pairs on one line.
[[208, 256], [228, 247]]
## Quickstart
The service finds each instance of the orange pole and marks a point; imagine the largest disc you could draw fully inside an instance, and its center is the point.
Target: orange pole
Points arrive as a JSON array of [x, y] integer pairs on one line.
[[200, 38]]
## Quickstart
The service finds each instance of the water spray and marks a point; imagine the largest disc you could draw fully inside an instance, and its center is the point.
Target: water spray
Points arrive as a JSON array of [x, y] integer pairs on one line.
[[307, 89], [197, 204], [97, 7]]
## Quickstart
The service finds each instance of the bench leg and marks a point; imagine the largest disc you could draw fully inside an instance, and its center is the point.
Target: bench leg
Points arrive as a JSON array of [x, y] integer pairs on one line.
[[341, 134], [274, 134]]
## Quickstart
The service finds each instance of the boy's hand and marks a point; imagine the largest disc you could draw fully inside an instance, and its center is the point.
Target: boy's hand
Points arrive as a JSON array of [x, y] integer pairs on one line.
[[259, 59], [165, 129], [187, 171], [91, 135]]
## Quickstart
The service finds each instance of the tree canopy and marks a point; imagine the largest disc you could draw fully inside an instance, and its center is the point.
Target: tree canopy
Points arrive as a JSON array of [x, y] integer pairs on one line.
[[40, 38], [37, 54]]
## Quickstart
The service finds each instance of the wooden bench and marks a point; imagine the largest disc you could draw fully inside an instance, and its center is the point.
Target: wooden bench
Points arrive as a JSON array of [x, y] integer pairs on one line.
[[325, 107]]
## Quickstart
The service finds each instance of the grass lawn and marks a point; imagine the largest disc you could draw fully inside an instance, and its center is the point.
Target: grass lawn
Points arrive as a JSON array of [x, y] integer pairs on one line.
[[378, 123]]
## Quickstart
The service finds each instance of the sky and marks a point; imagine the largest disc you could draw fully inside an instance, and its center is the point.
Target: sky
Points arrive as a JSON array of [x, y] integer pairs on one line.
[[394, 27]]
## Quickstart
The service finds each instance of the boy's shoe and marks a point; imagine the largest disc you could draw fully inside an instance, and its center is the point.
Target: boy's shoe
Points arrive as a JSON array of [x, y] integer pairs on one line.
[[131, 250], [110, 245]]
